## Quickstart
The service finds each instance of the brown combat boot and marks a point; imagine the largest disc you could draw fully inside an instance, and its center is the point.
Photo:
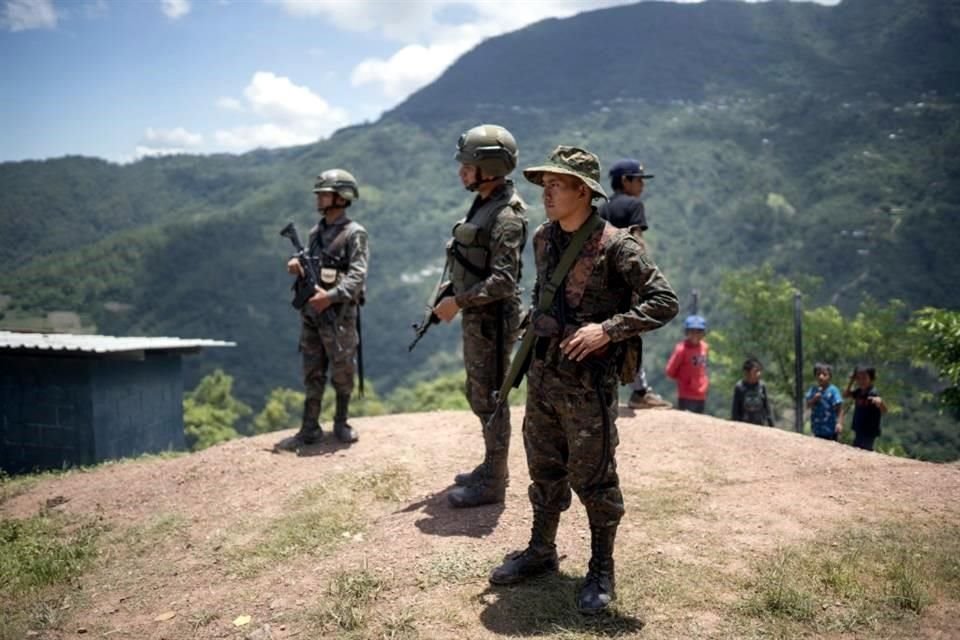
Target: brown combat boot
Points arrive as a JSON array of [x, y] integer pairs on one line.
[[599, 586], [540, 556], [648, 399]]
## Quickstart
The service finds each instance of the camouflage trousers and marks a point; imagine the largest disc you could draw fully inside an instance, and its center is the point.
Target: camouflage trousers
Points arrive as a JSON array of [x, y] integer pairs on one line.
[[479, 359], [325, 345], [563, 433]]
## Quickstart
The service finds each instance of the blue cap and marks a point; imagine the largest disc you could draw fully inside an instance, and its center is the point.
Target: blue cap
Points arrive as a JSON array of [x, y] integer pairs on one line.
[[695, 322], [628, 167]]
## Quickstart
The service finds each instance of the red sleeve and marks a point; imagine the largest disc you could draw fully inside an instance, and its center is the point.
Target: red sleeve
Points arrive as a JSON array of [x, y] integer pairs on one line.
[[673, 364]]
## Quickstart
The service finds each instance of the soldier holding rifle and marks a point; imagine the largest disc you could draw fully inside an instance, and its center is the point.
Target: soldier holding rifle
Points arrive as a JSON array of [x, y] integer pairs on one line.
[[336, 258]]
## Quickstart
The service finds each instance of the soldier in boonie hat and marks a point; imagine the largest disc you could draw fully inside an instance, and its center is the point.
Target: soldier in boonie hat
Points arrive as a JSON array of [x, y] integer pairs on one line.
[[596, 289], [571, 161]]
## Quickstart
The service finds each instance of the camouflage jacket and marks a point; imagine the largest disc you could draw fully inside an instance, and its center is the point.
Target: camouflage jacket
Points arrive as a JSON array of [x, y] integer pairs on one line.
[[613, 282], [350, 260], [502, 248]]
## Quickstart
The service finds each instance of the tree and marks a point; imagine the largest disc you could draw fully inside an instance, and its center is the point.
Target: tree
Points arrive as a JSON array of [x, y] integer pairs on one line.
[[760, 325], [210, 412], [938, 341]]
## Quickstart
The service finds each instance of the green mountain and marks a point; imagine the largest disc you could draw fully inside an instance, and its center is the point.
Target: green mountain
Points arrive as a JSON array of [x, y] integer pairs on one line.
[[823, 140]]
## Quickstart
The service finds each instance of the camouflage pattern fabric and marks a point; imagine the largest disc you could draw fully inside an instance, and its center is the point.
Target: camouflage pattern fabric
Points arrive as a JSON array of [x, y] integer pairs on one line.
[[613, 282], [326, 344], [479, 347], [479, 312]]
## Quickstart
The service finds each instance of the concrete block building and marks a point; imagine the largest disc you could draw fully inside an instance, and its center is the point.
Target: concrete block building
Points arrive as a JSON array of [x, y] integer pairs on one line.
[[68, 400]]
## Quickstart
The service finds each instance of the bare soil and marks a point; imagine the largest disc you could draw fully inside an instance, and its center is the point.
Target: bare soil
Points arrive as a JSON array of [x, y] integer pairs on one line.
[[706, 500]]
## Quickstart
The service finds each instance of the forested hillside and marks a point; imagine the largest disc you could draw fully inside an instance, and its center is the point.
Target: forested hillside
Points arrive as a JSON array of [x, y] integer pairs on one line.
[[822, 141]]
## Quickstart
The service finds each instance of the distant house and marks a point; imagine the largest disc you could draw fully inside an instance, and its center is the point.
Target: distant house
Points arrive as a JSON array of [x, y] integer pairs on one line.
[[68, 400]]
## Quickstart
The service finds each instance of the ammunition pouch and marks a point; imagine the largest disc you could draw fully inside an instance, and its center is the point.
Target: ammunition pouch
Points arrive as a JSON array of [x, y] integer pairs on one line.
[[631, 357]]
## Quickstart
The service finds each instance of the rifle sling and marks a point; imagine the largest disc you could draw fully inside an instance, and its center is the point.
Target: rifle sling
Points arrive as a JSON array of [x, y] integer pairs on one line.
[[547, 293]]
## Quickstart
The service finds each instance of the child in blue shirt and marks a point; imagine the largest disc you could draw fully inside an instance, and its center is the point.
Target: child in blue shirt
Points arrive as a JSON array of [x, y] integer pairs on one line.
[[825, 404]]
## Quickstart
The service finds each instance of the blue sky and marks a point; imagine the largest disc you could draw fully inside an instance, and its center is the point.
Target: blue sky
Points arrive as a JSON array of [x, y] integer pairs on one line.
[[121, 79]]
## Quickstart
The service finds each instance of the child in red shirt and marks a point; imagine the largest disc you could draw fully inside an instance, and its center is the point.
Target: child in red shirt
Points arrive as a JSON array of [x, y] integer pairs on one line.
[[688, 366]]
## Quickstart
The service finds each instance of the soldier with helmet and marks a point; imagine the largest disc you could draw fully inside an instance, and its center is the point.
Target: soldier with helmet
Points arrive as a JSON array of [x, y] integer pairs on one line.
[[328, 336], [609, 291], [483, 260]]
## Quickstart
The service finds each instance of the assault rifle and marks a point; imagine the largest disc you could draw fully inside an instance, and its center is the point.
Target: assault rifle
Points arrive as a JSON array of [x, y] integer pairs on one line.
[[306, 285], [444, 289]]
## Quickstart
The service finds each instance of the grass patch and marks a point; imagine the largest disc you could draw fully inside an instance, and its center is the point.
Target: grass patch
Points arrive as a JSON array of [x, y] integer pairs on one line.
[[868, 578], [38, 557], [320, 517], [43, 550], [391, 484], [452, 567], [146, 537], [348, 602]]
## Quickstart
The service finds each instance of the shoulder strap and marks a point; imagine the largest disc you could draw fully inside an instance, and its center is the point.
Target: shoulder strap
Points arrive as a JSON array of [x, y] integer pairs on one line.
[[547, 294], [340, 239]]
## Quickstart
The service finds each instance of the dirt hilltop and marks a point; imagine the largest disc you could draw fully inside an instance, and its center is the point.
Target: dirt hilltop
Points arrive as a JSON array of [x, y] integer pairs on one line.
[[358, 542]]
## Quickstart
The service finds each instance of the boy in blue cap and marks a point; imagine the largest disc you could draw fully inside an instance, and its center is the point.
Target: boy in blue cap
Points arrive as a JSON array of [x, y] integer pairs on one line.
[[625, 210]]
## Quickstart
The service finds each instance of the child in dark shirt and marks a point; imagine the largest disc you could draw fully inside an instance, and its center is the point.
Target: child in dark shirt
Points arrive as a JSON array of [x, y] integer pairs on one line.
[[868, 407], [750, 402]]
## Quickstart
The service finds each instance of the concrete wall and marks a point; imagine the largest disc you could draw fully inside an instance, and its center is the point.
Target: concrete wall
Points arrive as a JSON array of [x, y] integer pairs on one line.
[[58, 412]]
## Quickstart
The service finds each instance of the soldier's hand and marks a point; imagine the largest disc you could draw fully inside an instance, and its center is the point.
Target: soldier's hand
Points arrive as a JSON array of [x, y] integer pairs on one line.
[[447, 309], [294, 267], [320, 301], [585, 341]]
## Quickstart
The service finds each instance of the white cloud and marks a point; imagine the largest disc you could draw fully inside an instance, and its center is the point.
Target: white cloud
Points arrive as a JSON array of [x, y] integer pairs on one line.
[[175, 9], [431, 44], [165, 142], [294, 114], [179, 137], [229, 104], [21, 15]]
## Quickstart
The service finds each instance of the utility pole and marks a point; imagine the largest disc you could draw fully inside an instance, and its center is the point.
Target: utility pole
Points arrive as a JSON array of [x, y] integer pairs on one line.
[[695, 302], [798, 360]]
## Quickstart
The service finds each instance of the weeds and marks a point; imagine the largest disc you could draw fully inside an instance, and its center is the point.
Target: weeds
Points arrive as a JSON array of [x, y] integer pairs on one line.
[[349, 597], [882, 575]]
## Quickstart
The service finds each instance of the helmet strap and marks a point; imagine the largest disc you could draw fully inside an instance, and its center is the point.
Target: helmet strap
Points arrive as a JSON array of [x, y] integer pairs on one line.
[[477, 180]]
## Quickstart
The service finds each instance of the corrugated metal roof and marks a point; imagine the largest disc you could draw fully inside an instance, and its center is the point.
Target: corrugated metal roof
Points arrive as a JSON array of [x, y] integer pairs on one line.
[[12, 340]]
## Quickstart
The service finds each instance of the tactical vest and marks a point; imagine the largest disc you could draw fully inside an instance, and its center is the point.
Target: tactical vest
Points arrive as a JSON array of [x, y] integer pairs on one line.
[[469, 249], [332, 261]]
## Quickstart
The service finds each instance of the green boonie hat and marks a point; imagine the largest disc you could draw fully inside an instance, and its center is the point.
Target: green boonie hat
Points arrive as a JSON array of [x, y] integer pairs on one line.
[[571, 161]]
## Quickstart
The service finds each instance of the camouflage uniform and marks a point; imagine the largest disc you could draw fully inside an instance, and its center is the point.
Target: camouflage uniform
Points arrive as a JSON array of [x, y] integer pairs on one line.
[[494, 241], [569, 429], [329, 339], [571, 405]]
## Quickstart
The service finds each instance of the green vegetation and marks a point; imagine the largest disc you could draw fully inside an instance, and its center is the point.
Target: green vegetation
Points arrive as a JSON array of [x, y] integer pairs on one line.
[[821, 142], [210, 412], [39, 556], [938, 333], [864, 581]]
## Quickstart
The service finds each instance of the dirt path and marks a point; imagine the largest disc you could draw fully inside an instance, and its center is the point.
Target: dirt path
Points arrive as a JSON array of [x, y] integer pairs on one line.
[[213, 536]]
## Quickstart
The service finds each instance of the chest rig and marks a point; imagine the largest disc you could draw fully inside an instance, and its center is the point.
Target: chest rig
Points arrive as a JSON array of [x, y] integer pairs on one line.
[[332, 260], [469, 249]]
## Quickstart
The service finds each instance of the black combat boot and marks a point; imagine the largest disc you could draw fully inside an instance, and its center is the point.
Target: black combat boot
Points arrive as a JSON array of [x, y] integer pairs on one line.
[[599, 587], [469, 478], [310, 431], [490, 486], [343, 431], [540, 556]]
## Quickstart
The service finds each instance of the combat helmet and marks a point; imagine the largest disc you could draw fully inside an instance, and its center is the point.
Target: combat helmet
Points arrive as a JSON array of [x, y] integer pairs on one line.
[[490, 147], [337, 181]]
